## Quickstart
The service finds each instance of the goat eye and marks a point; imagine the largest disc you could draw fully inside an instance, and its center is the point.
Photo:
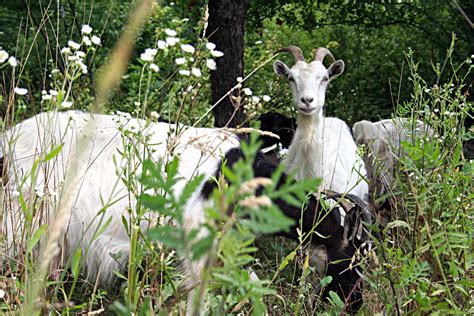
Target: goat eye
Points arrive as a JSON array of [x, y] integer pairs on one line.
[[325, 79]]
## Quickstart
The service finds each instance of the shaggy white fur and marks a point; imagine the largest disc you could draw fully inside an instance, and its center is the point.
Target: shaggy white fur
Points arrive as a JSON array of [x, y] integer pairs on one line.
[[98, 198]]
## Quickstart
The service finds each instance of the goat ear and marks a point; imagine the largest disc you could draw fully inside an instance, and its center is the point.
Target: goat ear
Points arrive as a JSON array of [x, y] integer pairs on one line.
[[336, 69], [280, 68]]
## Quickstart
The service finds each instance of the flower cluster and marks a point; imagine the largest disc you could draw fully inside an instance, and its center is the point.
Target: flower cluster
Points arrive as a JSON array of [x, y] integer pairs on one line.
[[248, 92], [73, 52], [188, 55], [190, 50], [5, 59]]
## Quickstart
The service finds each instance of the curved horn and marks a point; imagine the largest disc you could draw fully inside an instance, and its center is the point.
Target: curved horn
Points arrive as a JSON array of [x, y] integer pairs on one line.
[[295, 50], [321, 52]]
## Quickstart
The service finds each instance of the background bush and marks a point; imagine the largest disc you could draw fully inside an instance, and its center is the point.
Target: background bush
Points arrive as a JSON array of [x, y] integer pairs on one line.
[[400, 59]]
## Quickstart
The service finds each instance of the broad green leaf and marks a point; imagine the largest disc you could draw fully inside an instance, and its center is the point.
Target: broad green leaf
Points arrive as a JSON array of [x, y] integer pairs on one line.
[[76, 262], [397, 223], [336, 300], [202, 246], [35, 238], [189, 189], [53, 153], [170, 236], [326, 280]]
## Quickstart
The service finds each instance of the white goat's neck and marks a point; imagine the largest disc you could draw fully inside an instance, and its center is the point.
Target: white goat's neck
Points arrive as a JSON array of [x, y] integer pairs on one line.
[[310, 128], [305, 154]]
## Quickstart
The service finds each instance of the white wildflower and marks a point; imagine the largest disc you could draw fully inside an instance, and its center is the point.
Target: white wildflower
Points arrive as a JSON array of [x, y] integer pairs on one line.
[[189, 88], [65, 50], [210, 46], [154, 67], [54, 71], [72, 58], [46, 97], [180, 61], [154, 115], [66, 104], [196, 72], [86, 29], [13, 61], [171, 41], [43, 92], [136, 103], [266, 98], [247, 91], [258, 42], [73, 45], [239, 79], [217, 53], [87, 41], [82, 66], [211, 64], [80, 54], [184, 72], [20, 91], [3, 55], [53, 92], [95, 40], [149, 54], [170, 32], [255, 99], [188, 48], [161, 44]]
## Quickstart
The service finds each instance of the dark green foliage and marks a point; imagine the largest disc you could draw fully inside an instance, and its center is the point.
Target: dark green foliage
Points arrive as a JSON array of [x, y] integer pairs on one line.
[[396, 63]]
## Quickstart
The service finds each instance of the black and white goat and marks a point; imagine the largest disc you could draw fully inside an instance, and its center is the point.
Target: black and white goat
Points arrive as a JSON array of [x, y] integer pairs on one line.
[[95, 190], [322, 146]]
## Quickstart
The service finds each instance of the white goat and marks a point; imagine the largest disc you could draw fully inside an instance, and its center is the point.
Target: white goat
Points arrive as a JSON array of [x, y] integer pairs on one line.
[[82, 193], [383, 140], [321, 147], [97, 167]]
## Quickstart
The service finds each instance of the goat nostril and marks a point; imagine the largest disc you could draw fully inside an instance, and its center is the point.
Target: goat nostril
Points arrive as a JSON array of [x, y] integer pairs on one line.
[[307, 101]]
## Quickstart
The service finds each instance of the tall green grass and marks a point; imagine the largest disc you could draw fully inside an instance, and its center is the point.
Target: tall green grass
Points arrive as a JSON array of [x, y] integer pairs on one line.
[[423, 258]]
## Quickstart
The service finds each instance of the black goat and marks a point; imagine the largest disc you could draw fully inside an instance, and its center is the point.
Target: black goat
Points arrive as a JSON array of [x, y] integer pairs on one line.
[[340, 232], [280, 125]]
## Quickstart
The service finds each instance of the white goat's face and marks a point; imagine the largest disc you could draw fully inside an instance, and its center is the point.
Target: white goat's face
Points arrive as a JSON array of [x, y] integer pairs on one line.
[[308, 83]]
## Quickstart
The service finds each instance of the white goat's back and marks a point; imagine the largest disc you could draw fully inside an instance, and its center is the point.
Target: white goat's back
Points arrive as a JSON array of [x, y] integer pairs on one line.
[[384, 141], [392, 131], [98, 166]]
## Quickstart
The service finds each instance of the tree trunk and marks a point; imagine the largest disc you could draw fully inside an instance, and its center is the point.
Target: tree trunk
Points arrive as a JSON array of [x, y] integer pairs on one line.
[[226, 30]]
